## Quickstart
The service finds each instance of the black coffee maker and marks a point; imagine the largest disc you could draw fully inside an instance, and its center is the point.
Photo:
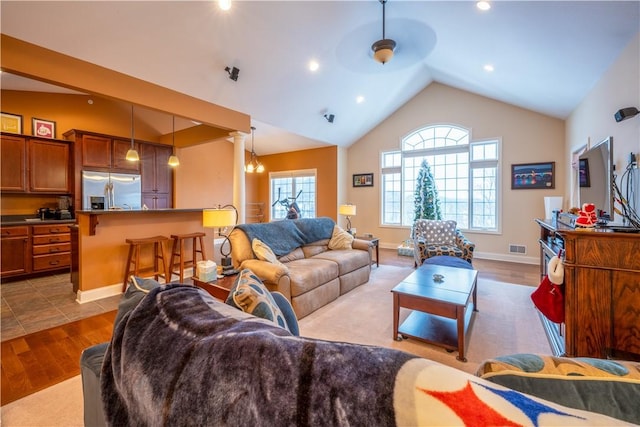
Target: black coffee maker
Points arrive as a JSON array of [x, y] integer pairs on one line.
[[45, 213]]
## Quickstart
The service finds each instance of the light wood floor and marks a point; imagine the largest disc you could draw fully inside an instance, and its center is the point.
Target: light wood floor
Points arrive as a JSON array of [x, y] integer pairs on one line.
[[39, 360]]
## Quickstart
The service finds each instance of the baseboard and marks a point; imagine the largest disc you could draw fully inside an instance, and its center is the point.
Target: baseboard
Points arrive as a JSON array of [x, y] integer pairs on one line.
[[98, 293], [111, 290], [487, 255]]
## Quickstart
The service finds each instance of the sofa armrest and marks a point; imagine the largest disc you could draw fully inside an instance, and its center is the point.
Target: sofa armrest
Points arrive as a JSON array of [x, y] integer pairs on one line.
[[274, 276], [466, 245], [363, 245]]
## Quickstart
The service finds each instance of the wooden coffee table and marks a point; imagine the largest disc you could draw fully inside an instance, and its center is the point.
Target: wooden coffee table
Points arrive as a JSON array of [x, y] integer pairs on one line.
[[442, 311]]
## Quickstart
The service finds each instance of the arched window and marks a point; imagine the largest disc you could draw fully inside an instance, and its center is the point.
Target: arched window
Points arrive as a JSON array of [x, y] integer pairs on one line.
[[465, 172]]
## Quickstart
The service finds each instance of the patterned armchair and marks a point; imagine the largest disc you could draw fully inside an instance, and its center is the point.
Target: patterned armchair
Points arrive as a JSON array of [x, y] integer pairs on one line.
[[435, 237]]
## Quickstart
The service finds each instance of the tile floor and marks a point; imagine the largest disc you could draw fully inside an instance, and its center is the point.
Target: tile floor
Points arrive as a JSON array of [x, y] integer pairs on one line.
[[35, 304]]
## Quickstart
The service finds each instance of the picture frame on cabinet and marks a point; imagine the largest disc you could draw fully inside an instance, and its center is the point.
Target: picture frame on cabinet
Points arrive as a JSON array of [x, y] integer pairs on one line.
[[43, 128], [11, 123]]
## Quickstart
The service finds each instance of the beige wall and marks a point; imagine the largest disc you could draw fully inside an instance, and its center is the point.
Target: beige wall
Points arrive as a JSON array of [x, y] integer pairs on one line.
[[593, 120], [526, 137]]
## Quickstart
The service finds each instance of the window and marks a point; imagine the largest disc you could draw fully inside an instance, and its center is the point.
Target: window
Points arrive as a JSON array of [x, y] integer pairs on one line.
[[465, 172], [290, 189]]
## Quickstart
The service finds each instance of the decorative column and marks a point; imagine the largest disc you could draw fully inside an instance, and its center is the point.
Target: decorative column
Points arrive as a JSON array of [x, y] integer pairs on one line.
[[239, 197]]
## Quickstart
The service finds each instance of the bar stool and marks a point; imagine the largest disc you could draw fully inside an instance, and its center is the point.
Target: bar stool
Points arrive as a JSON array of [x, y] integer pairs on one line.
[[178, 251], [133, 260]]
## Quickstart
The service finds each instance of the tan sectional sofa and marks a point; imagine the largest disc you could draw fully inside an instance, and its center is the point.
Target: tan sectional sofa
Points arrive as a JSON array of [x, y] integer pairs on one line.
[[311, 275]]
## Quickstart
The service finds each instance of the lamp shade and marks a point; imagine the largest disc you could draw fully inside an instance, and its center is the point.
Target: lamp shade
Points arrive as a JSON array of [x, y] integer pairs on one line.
[[347, 210], [218, 218]]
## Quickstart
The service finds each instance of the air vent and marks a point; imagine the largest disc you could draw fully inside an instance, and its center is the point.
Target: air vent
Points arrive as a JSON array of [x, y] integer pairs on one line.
[[517, 249]]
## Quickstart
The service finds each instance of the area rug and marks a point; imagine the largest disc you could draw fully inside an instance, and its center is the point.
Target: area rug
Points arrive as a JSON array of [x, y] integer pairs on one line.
[[506, 323]]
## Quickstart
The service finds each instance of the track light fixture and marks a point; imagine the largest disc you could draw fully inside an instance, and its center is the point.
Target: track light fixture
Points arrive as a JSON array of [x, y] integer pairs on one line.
[[330, 117], [233, 73], [625, 113], [383, 49]]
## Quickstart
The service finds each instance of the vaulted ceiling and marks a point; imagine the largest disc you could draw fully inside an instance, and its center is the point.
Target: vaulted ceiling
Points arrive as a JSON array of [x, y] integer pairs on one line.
[[546, 55]]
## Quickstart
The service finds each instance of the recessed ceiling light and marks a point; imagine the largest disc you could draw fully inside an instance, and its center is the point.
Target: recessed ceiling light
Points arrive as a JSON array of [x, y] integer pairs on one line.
[[360, 99], [224, 4], [483, 5], [488, 68], [313, 65]]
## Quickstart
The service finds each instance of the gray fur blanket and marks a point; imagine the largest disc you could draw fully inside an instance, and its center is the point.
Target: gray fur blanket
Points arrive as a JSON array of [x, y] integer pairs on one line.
[[182, 358], [284, 236]]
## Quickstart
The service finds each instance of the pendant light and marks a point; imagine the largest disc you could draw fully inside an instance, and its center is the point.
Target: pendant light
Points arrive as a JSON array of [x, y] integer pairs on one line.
[[132, 154], [253, 165], [173, 159], [383, 49]]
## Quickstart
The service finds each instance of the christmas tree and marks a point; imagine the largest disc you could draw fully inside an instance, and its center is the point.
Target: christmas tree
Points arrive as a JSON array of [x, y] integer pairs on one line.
[[426, 201]]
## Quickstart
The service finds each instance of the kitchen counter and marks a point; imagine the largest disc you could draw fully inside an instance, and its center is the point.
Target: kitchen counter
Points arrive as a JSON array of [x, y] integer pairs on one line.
[[102, 247], [8, 220], [93, 214]]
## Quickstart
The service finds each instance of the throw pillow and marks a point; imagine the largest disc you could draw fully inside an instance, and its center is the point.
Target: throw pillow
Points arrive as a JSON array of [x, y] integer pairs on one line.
[[138, 288], [249, 294], [264, 252], [340, 239]]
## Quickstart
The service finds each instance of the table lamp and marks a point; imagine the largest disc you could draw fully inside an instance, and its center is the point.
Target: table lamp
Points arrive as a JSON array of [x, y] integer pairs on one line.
[[220, 218], [347, 210]]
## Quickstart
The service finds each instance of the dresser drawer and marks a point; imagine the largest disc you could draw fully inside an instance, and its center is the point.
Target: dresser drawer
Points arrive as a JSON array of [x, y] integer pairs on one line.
[[50, 229], [14, 231], [51, 238], [51, 249], [46, 262]]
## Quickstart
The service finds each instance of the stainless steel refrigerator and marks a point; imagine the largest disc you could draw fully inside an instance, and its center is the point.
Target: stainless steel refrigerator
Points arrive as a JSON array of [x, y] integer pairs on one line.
[[115, 190]]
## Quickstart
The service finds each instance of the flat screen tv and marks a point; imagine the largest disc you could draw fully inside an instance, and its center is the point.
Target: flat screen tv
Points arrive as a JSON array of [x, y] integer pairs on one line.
[[595, 177]]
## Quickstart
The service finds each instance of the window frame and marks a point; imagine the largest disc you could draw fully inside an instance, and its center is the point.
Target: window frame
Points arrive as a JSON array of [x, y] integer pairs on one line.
[[388, 171], [293, 174]]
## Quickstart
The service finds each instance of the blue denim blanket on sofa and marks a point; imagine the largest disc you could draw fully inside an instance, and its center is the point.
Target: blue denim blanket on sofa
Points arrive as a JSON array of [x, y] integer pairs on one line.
[[286, 235]]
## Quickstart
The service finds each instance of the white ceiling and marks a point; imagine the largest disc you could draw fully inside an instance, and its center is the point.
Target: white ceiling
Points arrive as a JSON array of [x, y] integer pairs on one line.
[[547, 54]]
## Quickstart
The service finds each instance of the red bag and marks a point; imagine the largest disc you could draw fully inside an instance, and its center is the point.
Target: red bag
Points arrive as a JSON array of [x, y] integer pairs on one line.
[[549, 299]]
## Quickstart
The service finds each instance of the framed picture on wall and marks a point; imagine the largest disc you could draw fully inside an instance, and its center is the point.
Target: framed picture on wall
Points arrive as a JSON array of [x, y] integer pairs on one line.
[[363, 180], [533, 176], [11, 123], [43, 128]]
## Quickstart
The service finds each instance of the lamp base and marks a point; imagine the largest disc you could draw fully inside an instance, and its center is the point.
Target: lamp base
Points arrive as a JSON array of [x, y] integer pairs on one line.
[[226, 263]]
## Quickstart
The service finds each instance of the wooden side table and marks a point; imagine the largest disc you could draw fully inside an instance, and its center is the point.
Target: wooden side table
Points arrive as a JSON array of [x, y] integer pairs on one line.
[[219, 289], [375, 241]]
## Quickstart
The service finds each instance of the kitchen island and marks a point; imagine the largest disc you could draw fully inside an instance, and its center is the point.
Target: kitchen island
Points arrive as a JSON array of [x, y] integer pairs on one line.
[[102, 250]]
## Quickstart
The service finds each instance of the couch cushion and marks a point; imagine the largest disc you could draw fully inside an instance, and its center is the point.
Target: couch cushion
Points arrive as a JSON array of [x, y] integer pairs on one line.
[[340, 239], [309, 273], [295, 254], [347, 260], [608, 387], [315, 248], [251, 296]]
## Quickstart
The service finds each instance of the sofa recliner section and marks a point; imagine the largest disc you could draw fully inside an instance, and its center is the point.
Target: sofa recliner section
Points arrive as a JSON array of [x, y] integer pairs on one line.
[[311, 274]]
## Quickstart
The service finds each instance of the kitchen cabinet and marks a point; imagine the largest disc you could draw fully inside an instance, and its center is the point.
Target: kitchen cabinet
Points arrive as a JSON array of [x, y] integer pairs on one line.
[[104, 152], [119, 148], [13, 166], [48, 166], [157, 176], [51, 247], [35, 165], [14, 251]]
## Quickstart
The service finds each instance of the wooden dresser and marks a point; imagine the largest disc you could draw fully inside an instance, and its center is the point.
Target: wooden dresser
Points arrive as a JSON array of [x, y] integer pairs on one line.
[[602, 292]]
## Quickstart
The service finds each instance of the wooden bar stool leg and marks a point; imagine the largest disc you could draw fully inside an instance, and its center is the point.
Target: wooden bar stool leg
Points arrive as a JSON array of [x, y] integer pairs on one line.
[[174, 248], [202, 251], [127, 270]]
